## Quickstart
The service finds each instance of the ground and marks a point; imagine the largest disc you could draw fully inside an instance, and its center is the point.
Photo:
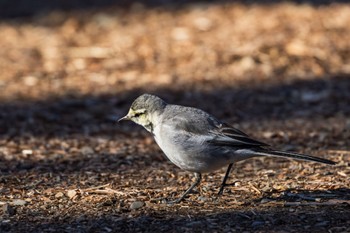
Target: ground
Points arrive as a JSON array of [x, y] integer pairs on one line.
[[280, 72]]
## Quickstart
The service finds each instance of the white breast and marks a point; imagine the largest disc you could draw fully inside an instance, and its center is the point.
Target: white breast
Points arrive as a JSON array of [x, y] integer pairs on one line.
[[174, 151]]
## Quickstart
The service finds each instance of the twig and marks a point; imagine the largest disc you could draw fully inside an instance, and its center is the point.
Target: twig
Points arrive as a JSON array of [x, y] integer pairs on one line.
[[254, 188], [96, 187], [107, 191]]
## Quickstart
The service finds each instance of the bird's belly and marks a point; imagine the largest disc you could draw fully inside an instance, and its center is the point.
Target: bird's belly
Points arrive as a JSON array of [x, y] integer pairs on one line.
[[193, 156]]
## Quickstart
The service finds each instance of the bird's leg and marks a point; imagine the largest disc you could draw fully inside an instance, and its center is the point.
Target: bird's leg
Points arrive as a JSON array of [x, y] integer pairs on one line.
[[223, 184], [198, 177]]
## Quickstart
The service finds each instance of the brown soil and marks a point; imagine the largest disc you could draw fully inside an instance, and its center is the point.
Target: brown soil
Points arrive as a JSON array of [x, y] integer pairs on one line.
[[280, 72]]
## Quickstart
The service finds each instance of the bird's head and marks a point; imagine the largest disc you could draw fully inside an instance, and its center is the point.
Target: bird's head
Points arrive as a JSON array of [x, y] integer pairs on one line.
[[144, 110]]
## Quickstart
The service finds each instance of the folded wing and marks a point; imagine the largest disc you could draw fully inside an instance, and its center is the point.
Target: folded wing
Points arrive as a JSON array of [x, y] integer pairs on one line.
[[226, 135]]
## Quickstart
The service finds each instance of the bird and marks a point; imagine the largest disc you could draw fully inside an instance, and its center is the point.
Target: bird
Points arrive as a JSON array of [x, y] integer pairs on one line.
[[197, 142]]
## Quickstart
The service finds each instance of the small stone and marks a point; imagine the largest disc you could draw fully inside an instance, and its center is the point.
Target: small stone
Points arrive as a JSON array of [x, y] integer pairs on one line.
[[313, 97], [268, 134], [180, 34], [9, 210], [201, 198], [59, 195], [27, 152], [257, 223], [46, 199], [265, 200], [86, 150], [203, 23], [247, 63], [19, 202], [297, 48], [30, 80], [136, 205], [194, 224], [71, 193], [81, 218], [322, 224], [107, 229]]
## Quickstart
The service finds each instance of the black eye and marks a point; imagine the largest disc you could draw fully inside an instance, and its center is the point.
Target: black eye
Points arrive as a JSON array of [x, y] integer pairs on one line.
[[138, 114]]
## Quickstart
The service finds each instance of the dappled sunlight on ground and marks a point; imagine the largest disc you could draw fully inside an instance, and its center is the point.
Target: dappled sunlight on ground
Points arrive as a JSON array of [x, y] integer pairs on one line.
[[280, 72]]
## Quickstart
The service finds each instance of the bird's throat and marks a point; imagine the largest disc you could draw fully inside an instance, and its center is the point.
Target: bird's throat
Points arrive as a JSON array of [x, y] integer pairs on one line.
[[149, 127]]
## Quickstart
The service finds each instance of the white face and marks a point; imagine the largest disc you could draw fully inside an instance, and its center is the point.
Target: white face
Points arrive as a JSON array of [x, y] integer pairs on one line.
[[141, 117]]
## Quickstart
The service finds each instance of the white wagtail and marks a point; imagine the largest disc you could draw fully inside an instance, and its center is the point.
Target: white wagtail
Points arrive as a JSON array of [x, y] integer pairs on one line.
[[198, 142]]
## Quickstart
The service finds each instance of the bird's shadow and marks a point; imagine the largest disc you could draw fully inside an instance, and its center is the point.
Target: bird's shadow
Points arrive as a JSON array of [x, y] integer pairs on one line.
[[303, 195]]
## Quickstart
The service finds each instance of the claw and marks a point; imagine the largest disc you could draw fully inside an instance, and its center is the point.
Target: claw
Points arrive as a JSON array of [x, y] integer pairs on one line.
[[221, 191]]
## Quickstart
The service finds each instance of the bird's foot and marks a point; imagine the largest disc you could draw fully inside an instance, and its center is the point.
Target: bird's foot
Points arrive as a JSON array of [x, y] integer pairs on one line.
[[221, 191]]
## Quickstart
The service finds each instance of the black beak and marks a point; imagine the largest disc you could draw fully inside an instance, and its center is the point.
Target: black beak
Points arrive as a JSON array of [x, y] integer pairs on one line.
[[125, 118]]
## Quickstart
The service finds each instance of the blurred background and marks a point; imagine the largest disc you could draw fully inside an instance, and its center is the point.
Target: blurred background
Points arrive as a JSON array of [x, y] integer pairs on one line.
[[239, 60], [277, 70]]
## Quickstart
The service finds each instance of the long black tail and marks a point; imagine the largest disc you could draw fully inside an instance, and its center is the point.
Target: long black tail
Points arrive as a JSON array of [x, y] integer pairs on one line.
[[293, 156]]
